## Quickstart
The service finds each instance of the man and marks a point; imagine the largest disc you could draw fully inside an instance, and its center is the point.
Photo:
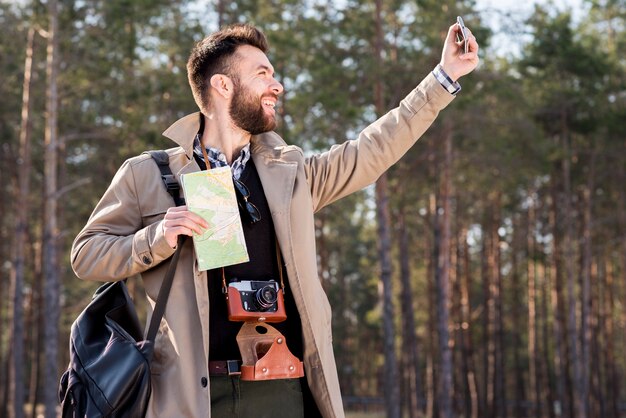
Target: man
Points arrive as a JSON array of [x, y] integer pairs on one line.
[[134, 228]]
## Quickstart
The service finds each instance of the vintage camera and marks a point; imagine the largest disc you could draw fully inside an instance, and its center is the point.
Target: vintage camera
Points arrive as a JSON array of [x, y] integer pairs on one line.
[[251, 300]]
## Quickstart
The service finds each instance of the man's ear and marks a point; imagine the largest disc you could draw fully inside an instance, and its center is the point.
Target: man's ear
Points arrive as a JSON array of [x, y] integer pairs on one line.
[[223, 85]]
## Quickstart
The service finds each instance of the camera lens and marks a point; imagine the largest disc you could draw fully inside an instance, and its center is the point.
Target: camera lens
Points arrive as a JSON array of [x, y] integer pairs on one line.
[[266, 297]]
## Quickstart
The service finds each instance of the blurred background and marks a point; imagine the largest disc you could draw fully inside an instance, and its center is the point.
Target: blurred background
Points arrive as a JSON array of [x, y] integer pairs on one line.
[[482, 276]]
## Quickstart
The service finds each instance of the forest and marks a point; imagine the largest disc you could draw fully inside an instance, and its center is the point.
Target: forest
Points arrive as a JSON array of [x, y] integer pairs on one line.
[[484, 275]]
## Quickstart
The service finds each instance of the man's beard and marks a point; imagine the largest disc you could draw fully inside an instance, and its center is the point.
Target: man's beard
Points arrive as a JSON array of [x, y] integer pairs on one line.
[[247, 112]]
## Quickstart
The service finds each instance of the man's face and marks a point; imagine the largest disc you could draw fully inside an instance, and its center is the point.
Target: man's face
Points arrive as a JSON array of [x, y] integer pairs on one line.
[[247, 110], [255, 91]]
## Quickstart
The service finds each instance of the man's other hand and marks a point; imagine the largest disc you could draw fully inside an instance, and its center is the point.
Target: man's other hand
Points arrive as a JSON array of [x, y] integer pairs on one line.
[[454, 61]]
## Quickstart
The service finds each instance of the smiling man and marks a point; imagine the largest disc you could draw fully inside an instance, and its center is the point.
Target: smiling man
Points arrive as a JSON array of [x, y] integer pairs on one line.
[[134, 228]]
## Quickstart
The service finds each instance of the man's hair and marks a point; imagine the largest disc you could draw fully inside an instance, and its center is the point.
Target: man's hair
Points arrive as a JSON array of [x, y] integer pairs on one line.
[[213, 55]]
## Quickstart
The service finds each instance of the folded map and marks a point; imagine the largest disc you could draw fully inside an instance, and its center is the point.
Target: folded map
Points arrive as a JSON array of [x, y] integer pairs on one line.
[[211, 194]]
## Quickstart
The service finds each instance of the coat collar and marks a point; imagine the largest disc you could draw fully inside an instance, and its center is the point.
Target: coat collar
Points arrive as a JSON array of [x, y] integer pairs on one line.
[[184, 130], [277, 174]]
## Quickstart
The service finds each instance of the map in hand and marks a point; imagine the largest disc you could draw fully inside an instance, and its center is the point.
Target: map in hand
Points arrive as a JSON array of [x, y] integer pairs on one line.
[[211, 194]]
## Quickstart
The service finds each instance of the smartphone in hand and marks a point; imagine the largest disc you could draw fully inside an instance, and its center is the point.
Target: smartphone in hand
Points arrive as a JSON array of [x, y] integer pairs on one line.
[[462, 34]]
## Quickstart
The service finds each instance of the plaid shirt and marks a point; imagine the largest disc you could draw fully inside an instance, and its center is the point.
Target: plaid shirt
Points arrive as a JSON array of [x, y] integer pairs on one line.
[[453, 87], [218, 159]]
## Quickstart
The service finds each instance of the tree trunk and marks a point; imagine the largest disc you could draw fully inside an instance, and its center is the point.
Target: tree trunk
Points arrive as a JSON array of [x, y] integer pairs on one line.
[[6, 369], [579, 395], [493, 315], [533, 391], [518, 324], [5, 361], [585, 286], [596, 403], [458, 382], [7, 157], [391, 375], [34, 321], [621, 221], [445, 389], [38, 313], [432, 256], [612, 375], [21, 225], [469, 362], [220, 12], [489, 352], [561, 404], [410, 343], [500, 400], [51, 233], [545, 379], [544, 394]]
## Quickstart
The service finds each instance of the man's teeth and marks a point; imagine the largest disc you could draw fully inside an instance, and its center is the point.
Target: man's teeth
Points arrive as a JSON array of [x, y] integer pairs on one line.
[[269, 103]]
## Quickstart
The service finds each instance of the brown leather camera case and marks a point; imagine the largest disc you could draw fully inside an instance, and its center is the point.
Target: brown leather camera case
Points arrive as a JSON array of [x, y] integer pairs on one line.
[[265, 354], [236, 312]]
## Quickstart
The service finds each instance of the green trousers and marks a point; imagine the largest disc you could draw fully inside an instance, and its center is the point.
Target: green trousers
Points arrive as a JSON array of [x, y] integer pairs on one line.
[[233, 397]]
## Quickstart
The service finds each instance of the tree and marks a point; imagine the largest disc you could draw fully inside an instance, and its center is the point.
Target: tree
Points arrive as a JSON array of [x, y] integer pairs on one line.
[[413, 393], [442, 272], [51, 233], [391, 375], [21, 211]]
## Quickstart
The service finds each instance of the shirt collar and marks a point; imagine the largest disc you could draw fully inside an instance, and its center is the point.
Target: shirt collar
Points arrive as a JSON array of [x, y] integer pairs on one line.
[[218, 159], [183, 132]]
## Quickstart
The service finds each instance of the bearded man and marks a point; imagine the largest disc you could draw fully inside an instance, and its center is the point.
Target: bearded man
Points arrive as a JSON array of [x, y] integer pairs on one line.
[[134, 228]]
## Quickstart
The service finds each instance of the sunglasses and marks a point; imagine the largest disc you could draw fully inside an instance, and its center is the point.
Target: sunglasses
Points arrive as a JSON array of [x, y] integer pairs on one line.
[[243, 194]]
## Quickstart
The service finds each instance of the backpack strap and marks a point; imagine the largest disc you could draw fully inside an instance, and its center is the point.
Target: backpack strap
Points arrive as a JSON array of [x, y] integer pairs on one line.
[[162, 160], [164, 292]]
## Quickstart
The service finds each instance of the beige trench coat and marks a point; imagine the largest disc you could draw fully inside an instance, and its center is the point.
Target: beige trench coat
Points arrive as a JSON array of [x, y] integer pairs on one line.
[[124, 237]]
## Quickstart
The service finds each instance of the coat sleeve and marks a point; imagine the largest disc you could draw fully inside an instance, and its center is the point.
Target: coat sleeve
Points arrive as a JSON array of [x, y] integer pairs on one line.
[[350, 166], [115, 244]]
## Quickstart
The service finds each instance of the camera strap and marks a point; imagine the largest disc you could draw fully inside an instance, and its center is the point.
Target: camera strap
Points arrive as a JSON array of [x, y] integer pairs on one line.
[[279, 260]]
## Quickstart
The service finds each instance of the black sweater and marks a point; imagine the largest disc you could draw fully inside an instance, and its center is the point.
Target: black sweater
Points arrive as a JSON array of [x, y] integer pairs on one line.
[[263, 265]]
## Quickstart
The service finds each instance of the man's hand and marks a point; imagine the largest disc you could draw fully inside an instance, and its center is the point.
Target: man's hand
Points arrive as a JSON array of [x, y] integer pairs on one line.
[[179, 221], [453, 59]]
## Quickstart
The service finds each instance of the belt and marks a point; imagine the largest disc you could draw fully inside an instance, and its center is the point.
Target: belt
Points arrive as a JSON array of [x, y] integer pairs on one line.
[[224, 367]]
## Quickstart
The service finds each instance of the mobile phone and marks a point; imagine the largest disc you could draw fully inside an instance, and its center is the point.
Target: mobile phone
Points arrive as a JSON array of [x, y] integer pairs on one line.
[[462, 34]]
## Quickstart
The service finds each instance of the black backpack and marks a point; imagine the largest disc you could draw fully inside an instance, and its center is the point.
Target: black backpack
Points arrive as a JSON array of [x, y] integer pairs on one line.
[[109, 370]]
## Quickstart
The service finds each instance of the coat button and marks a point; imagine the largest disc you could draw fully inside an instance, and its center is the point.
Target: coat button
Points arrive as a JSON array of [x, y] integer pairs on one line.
[[204, 382], [146, 259]]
